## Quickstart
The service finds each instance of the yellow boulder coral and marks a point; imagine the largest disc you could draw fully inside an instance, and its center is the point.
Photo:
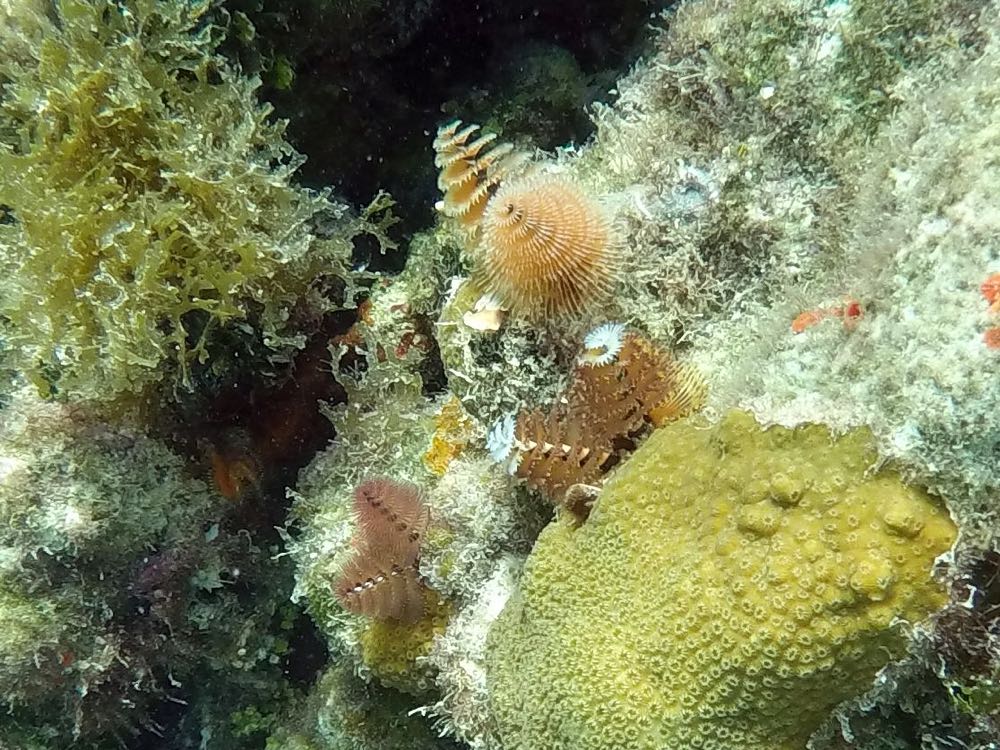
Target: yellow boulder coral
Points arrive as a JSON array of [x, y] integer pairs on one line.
[[393, 650], [731, 587]]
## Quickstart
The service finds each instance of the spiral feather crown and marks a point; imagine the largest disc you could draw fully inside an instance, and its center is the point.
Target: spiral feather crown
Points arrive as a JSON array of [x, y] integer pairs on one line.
[[470, 170], [541, 246], [381, 579], [545, 248]]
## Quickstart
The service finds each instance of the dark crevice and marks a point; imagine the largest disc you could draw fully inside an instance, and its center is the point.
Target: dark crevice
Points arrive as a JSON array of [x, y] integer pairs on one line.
[[370, 87]]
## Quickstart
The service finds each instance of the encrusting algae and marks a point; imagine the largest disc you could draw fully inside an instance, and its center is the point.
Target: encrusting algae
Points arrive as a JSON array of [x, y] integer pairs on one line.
[[453, 432]]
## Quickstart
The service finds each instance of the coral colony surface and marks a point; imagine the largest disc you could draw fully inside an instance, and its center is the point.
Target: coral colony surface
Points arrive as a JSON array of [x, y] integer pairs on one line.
[[503, 376]]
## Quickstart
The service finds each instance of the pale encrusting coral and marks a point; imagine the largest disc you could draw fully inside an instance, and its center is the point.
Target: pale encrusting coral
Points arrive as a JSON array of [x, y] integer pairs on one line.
[[775, 204], [920, 239]]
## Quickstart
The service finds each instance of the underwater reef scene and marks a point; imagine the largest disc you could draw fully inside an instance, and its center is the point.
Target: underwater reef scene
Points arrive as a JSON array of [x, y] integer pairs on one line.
[[499, 376]]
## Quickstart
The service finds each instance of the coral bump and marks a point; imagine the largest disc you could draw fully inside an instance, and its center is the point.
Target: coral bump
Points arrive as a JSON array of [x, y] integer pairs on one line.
[[381, 579]]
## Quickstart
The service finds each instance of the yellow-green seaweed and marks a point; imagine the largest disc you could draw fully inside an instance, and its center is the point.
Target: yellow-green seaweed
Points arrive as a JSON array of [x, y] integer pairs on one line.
[[150, 224]]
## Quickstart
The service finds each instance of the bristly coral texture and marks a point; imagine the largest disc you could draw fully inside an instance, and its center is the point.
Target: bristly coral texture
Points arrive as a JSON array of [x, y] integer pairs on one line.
[[381, 579], [470, 171], [546, 248], [606, 410]]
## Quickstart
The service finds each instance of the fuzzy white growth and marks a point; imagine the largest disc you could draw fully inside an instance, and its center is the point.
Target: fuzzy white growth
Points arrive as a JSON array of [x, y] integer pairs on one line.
[[10, 465], [463, 710], [601, 346], [500, 443]]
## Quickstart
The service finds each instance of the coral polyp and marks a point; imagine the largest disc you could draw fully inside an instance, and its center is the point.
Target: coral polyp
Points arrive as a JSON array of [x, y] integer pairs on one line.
[[546, 248]]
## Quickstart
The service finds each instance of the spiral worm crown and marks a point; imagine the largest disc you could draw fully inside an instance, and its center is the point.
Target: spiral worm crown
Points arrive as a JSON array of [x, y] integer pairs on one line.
[[545, 248], [470, 170]]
